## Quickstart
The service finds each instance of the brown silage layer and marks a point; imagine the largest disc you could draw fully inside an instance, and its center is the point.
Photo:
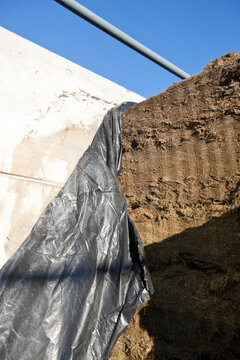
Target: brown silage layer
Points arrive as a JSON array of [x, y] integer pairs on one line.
[[181, 178]]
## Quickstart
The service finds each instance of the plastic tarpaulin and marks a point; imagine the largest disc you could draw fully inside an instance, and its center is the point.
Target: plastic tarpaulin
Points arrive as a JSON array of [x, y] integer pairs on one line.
[[73, 286]]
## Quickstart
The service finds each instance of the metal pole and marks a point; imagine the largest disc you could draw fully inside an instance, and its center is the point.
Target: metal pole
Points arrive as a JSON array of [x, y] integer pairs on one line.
[[102, 24]]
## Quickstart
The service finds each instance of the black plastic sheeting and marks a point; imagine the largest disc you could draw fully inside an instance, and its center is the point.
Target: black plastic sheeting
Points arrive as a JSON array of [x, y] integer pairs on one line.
[[73, 286]]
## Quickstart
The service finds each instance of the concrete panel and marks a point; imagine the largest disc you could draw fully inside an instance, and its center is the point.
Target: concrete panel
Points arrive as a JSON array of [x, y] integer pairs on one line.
[[50, 109]]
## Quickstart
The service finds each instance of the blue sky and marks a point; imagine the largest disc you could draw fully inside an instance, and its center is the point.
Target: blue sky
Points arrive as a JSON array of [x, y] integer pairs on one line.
[[188, 33]]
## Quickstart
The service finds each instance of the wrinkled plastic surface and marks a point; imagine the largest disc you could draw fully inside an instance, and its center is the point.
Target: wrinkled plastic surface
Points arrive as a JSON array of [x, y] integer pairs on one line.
[[73, 286]]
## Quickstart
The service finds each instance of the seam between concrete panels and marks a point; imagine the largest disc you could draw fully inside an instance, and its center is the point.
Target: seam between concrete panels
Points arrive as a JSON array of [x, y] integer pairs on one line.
[[30, 179]]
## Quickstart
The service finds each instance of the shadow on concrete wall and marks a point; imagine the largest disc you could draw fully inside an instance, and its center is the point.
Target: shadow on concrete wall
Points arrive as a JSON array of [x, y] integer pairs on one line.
[[195, 311]]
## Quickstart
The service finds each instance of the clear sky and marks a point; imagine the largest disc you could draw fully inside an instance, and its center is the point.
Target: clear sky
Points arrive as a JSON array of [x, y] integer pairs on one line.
[[189, 33]]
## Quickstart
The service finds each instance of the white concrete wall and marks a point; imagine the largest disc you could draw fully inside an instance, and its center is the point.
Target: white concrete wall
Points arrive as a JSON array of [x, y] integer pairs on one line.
[[50, 109]]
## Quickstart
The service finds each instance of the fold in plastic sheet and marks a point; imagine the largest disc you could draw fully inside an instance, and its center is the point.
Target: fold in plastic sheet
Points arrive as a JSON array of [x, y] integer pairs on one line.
[[73, 286]]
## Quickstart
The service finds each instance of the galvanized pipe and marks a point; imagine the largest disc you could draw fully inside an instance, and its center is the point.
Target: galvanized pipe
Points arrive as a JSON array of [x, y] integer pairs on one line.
[[102, 24]]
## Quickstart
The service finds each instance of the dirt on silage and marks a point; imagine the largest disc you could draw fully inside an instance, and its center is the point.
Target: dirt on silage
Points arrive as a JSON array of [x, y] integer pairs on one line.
[[181, 178]]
